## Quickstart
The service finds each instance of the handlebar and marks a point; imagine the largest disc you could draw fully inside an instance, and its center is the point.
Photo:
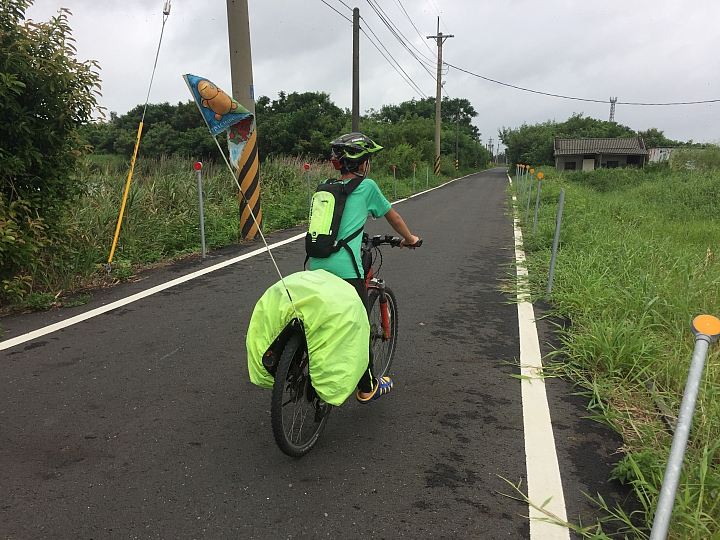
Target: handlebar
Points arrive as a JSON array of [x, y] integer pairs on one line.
[[392, 241]]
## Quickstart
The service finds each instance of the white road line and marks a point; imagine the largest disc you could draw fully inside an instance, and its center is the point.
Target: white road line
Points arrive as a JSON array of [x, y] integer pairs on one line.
[[543, 472], [135, 297], [144, 294]]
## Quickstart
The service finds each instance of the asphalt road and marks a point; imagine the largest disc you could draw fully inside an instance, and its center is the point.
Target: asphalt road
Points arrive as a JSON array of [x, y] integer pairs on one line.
[[142, 423]]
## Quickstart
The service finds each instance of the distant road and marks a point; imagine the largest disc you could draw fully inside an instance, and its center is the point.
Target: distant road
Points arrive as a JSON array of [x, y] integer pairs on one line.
[[141, 422]]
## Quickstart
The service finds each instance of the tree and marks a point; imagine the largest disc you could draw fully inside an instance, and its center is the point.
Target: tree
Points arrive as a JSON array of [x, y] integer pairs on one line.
[[45, 94], [655, 138], [298, 124]]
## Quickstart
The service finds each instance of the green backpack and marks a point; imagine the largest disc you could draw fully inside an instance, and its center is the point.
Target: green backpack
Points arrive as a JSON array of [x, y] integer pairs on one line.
[[326, 210]]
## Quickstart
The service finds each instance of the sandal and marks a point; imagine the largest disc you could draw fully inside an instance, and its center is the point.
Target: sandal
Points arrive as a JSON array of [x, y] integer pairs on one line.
[[383, 386]]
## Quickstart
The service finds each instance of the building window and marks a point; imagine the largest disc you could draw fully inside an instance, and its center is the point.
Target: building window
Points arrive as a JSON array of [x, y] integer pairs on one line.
[[570, 165], [633, 160], [613, 164]]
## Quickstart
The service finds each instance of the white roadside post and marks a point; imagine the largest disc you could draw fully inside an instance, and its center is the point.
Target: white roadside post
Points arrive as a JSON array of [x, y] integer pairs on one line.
[[414, 169], [307, 178], [198, 169], [394, 183]]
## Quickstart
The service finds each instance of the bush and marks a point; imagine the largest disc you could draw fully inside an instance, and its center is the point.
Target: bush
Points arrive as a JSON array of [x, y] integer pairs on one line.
[[45, 94]]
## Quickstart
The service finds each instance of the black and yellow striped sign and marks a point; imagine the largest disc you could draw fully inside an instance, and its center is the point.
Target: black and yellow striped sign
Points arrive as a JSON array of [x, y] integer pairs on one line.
[[457, 164], [248, 175], [437, 165]]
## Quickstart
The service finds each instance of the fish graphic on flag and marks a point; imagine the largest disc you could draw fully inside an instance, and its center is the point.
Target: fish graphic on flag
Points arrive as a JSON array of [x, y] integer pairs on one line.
[[222, 113]]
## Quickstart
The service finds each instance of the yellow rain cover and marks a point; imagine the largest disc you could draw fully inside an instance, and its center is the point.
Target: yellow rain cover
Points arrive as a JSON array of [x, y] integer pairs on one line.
[[336, 328]]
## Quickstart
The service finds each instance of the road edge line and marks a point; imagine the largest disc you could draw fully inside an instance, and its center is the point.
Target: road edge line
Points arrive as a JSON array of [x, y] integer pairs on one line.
[[544, 483], [23, 338]]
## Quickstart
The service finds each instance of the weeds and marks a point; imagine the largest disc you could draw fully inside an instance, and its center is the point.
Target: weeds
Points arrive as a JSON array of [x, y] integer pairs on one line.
[[162, 219], [636, 264]]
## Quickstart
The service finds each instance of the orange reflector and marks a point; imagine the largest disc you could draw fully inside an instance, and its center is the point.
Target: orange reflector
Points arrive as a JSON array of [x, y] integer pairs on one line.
[[707, 324]]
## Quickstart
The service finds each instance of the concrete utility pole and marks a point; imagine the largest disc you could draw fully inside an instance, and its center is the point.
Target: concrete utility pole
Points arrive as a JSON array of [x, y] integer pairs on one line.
[[457, 141], [613, 101], [356, 71], [438, 95], [240, 57], [243, 92]]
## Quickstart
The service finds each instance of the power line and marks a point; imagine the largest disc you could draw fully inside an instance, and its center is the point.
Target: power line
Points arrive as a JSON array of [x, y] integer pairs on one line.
[[406, 77], [578, 98], [415, 27], [394, 63], [336, 11], [395, 31]]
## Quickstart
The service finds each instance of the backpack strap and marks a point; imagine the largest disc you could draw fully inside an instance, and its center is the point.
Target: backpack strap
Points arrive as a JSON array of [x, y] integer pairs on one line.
[[344, 244]]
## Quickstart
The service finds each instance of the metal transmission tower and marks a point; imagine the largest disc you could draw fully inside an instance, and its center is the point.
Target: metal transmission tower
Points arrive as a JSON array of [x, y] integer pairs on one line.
[[613, 101], [440, 38]]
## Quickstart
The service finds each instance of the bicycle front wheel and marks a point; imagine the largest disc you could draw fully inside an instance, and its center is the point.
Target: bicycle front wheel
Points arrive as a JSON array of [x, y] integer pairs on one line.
[[297, 413], [383, 348]]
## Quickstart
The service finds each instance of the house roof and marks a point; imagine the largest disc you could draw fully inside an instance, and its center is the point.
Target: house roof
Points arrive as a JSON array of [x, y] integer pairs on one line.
[[619, 146]]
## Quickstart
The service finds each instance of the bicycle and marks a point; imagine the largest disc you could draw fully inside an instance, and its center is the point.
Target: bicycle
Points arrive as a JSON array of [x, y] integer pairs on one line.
[[298, 415]]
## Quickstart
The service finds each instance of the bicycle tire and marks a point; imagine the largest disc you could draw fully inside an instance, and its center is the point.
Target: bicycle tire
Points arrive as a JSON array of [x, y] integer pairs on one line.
[[295, 400], [383, 349]]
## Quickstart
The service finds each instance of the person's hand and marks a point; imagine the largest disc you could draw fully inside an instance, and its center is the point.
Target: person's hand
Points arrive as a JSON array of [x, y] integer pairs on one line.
[[409, 243]]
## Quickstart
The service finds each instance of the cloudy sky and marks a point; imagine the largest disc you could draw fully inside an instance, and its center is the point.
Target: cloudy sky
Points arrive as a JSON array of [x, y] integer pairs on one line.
[[647, 51]]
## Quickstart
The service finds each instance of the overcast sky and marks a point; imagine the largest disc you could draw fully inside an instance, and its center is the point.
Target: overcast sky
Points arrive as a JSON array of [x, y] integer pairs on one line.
[[638, 50]]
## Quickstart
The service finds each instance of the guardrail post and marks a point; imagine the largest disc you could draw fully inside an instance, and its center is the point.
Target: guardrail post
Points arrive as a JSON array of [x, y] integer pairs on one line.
[[706, 329], [556, 240], [198, 169]]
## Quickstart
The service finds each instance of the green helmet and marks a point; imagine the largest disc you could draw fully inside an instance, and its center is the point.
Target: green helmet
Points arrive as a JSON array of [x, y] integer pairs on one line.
[[351, 150]]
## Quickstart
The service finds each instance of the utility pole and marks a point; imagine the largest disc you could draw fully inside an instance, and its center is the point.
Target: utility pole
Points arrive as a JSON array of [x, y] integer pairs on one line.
[[613, 101], [243, 92], [356, 71], [438, 95], [457, 141]]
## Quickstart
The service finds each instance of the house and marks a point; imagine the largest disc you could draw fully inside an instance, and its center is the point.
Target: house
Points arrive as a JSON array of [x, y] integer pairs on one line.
[[590, 154]]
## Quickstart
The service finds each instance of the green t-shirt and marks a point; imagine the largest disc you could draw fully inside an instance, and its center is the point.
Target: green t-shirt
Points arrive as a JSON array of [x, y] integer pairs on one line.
[[366, 199]]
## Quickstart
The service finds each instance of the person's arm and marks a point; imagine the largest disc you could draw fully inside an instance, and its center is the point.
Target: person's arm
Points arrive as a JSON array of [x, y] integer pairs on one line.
[[397, 223]]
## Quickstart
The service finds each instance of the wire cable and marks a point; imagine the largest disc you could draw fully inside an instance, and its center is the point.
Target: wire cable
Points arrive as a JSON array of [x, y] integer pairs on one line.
[[579, 98], [166, 14], [336, 11], [393, 63], [407, 77]]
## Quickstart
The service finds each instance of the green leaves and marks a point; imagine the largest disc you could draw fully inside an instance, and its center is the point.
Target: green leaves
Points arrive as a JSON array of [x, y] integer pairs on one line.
[[45, 94]]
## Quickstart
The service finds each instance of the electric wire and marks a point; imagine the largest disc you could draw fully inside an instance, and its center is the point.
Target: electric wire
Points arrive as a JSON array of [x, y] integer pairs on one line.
[[579, 98], [407, 77], [404, 41], [393, 63], [414, 26], [336, 11]]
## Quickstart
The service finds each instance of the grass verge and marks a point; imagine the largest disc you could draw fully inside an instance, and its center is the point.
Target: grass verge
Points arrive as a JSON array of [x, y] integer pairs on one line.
[[636, 263], [162, 221]]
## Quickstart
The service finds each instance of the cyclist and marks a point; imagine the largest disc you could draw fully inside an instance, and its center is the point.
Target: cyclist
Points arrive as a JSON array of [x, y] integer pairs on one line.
[[351, 155]]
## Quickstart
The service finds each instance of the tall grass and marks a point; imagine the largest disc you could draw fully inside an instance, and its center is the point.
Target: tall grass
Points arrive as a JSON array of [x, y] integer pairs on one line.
[[637, 262], [162, 220]]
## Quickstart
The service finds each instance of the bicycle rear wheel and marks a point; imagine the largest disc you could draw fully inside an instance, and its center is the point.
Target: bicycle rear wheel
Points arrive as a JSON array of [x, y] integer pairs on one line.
[[383, 348], [297, 413]]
